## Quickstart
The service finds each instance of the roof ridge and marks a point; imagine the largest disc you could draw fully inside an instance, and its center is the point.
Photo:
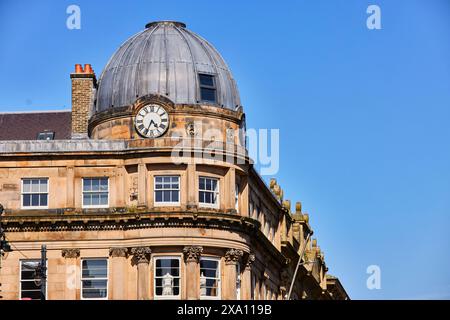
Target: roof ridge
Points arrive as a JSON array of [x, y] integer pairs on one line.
[[35, 111]]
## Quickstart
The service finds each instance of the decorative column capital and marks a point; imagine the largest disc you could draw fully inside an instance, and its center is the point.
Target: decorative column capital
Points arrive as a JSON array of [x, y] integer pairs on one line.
[[117, 252], [70, 253], [250, 259], [192, 253], [232, 256], [141, 254]]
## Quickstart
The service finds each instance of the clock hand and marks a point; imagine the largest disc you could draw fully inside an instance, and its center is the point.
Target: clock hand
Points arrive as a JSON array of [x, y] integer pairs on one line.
[[154, 124]]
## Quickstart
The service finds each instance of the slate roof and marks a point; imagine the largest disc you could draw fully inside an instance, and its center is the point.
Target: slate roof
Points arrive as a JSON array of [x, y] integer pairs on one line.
[[27, 125]]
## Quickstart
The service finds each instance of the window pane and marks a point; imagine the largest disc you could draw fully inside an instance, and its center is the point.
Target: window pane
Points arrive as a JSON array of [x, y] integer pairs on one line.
[[208, 198], [34, 185], [206, 79], [87, 185], [95, 199], [208, 184], [43, 185], [26, 185], [208, 94], [95, 184], [34, 295], [104, 184], [104, 199], [202, 184], [175, 196], [26, 200], [43, 200], [166, 196], [35, 200], [87, 200], [158, 196]]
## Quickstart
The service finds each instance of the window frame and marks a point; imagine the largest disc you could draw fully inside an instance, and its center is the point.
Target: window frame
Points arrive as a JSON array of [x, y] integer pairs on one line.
[[166, 203], [82, 279], [21, 280], [46, 133], [205, 86], [22, 193], [209, 205], [236, 196], [180, 284], [102, 206], [219, 280]]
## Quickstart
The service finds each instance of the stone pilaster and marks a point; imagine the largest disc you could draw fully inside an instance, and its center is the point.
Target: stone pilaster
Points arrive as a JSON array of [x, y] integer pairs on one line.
[[72, 275], [192, 257], [246, 286], [142, 185], [141, 256], [118, 272], [232, 257]]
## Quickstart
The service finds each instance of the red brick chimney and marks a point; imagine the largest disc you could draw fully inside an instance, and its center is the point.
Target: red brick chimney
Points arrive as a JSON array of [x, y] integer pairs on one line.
[[83, 85]]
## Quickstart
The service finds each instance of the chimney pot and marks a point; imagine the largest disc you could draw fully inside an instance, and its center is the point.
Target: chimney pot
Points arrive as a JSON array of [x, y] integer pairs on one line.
[[88, 69], [78, 68]]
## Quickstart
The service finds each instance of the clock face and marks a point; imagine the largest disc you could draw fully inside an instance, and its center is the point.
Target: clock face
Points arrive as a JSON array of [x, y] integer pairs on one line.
[[151, 121]]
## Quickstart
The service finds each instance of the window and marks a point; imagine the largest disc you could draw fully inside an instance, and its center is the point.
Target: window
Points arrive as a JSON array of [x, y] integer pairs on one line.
[[236, 197], [209, 278], [208, 192], [30, 286], [167, 190], [207, 87], [167, 277], [35, 193], [94, 279], [250, 209], [238, 281], [95, 192], [46, 135]]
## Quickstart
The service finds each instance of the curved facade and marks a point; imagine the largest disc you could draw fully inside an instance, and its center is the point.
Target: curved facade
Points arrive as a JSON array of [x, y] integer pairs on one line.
[[154, 196]]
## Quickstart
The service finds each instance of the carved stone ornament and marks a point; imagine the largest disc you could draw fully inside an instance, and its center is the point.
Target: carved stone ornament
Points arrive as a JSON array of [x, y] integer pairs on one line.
[[232, 256], [141, 254], [191, 129], [192, 253], [118, 252], [250, 259], [70, 253]]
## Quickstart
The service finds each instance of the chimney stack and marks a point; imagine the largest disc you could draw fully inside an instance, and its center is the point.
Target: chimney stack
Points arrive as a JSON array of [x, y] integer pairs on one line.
[[84, 84]]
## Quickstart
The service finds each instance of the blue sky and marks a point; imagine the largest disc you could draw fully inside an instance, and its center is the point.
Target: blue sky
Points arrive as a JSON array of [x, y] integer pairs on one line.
[[363, 114]]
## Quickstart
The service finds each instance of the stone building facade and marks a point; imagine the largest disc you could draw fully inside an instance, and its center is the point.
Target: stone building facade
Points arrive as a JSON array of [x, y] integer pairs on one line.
[[145, 190]]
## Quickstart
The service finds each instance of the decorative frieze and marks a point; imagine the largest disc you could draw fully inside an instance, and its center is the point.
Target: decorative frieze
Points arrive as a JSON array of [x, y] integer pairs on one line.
[[232, 256], [141, 254], [70, 253], [118, 252], [192, 253]]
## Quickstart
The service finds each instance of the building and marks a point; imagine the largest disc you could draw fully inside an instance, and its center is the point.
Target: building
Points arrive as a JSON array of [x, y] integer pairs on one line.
[[145, 190]]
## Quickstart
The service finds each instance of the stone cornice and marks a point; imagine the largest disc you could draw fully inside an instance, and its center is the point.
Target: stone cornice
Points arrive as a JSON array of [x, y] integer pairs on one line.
[[124, 221]]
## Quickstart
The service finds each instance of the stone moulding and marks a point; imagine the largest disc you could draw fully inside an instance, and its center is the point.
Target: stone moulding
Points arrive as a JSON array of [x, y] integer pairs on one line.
[[127, 221]]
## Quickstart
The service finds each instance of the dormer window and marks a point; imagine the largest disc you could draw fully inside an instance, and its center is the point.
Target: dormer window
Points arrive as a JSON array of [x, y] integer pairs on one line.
[[46, 135], [207, 87]]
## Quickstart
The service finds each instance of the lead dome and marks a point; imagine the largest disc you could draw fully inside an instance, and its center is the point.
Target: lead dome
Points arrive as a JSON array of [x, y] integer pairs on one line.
[[165, 59]]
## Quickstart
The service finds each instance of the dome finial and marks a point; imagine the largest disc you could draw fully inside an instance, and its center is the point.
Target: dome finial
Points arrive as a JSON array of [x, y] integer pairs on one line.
[[167, 22]]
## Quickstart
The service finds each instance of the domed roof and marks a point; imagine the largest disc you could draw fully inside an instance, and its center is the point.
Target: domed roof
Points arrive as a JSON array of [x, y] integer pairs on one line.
[[165, 59]]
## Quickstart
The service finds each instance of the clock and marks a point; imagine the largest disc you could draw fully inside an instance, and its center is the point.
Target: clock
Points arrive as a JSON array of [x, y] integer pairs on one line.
[[151, 121]]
